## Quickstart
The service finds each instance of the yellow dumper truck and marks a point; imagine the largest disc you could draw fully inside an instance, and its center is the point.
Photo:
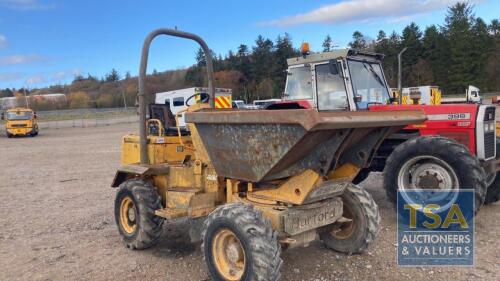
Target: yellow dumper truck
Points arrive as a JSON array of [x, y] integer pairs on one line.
[[250, 182], [20, 122]]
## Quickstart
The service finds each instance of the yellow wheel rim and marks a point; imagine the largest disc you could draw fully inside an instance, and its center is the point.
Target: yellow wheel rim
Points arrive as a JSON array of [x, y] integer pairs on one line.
[[229, 255], [128, 215], [344, 230]]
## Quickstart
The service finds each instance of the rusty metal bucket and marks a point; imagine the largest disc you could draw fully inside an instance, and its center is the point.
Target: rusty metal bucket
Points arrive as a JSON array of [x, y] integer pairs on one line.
[[262, 145]]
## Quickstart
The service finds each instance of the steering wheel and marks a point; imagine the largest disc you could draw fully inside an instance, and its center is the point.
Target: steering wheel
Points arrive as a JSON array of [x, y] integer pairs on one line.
[[205, 100]]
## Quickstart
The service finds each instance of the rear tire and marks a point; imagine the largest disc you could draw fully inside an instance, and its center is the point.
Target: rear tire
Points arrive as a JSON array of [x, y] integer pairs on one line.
[[135, 205], [356, 236], [452, 157], [251, 245]]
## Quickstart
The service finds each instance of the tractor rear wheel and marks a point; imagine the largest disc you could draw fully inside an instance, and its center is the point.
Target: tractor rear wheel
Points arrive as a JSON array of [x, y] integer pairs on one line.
[[240, 244], [359, 225], [135, 205], [433, 162]]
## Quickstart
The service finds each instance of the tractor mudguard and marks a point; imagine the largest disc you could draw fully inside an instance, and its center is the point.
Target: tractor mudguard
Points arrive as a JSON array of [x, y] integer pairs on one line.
[[138, 171]]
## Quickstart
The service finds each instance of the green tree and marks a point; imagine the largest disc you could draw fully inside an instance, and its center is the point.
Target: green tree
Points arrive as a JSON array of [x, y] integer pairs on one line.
[[458, 34], [284, 50], [358, 41], [389, 47], [381, 36], [262, 59], [435, 53], [493, 67], [327, 44], [243, 61], [112, 76], [411, 39], [483, 47]]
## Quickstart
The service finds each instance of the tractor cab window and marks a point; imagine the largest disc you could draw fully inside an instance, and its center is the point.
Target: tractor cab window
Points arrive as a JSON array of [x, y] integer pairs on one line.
[[330, 88], [299, 84], [368, 83], [19, 115], [179, 101]]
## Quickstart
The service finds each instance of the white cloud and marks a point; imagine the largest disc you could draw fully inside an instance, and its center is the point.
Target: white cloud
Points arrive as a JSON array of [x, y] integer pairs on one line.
[[36, 79], [20, 59], [25, 5], [364, 10], [3, 41], [65, 74]]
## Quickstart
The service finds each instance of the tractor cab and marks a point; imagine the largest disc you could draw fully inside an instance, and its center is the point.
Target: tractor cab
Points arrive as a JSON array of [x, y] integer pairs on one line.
[[345, 79]]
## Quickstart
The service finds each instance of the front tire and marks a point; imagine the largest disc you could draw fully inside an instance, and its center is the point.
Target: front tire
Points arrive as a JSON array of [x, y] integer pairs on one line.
[[135, 205], [359, 226], [432, 162], [240, 244], [493, 192]]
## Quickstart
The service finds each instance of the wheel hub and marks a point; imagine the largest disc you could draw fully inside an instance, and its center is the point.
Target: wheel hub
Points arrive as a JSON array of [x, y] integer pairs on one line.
[[430, 173], [344, 227], [128, 215], [229, 255], [427, 172], [431, 176]]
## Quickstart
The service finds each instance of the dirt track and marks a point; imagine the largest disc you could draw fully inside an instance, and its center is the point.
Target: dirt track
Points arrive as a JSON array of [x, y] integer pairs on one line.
[[57, 223]]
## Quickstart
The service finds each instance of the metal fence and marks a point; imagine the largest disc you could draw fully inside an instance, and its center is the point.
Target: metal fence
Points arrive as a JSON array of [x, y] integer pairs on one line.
[[82, 118]]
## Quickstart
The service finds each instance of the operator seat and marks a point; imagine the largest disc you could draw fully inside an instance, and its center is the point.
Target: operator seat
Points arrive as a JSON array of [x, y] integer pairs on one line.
[[163, 113]]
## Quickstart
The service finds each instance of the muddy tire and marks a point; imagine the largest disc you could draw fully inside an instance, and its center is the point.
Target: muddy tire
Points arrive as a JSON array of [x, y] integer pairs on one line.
[[433, 162], [135, 205], [240, 244], [493, 192], [356, 235]]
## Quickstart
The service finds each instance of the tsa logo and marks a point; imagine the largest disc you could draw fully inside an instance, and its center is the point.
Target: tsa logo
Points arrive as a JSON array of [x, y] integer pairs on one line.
[[435, 227]]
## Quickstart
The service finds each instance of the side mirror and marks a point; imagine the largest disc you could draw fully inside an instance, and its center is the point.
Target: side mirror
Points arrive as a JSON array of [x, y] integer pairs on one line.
[[35, 116], [358, 98], [334, 69]]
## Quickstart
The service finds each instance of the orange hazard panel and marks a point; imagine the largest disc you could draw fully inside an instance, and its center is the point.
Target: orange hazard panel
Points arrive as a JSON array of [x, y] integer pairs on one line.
[[223, 102]]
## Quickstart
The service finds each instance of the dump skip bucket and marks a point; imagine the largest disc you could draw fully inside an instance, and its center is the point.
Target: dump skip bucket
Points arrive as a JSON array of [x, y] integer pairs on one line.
[[262, 145]]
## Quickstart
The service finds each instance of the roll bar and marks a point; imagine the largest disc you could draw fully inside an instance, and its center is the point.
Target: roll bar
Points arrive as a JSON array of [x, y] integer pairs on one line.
[[142, 79]]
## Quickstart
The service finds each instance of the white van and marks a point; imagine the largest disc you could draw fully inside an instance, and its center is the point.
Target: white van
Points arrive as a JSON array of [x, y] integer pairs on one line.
[[177, 99]]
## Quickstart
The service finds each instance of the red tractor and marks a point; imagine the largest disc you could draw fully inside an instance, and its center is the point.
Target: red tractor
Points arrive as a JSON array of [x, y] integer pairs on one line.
[[454, 149]]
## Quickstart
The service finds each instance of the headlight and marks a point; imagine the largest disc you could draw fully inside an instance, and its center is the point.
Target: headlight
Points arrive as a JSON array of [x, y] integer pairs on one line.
[[489, 127]]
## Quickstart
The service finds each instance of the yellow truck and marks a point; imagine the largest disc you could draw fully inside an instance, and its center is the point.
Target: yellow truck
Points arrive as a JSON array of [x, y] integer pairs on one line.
[[20, 122]]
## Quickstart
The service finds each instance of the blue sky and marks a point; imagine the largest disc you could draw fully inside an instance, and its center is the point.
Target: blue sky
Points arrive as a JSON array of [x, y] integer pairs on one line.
[[44, 42]]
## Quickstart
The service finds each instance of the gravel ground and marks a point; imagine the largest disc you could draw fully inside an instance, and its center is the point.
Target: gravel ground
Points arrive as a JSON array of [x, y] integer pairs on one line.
[[57, 223]]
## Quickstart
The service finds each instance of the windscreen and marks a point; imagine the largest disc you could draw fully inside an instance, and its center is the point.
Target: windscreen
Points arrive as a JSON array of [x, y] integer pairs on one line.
[[368, 83], [331, 90], [18, 115], [299, 84]]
